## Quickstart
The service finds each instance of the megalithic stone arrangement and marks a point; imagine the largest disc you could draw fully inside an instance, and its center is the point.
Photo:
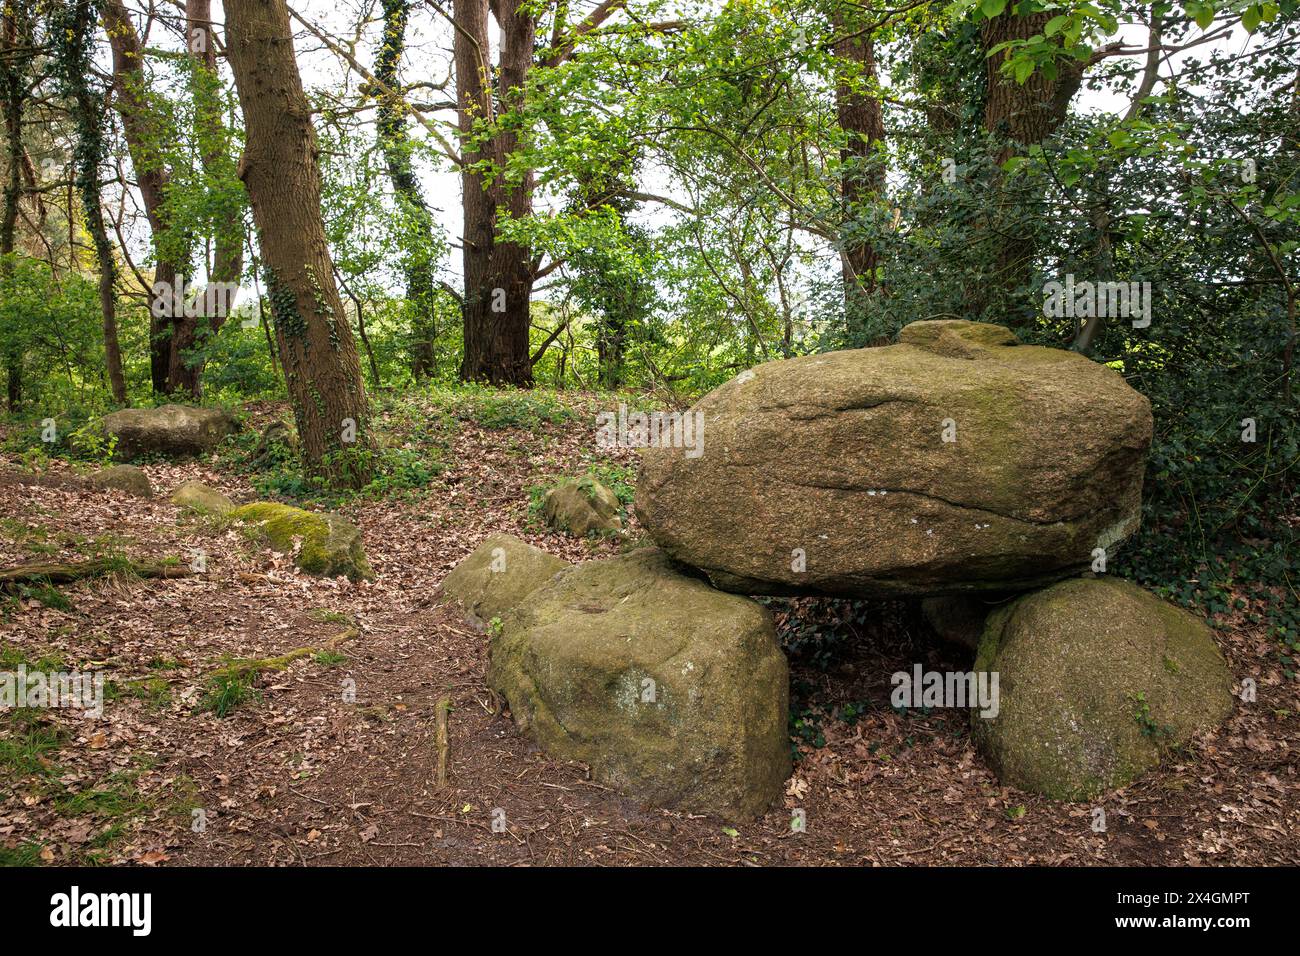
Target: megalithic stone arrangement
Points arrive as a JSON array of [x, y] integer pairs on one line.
[[955, 461], [956, 465]]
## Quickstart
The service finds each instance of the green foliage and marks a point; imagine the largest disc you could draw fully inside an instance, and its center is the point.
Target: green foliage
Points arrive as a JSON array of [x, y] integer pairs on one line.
[[91, 443], [227, 690], [508, 408], [1146, 723], [27, 744]]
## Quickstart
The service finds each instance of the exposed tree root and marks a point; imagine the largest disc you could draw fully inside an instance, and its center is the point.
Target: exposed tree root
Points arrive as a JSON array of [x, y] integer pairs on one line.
[[252, 666], [49, 572]]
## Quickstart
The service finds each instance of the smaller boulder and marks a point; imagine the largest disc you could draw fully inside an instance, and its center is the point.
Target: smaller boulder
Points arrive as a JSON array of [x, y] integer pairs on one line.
[[196, 496], [1097, 679], [320, 543], [126, 478], [673, 692], [958, 618], [497, 575], [280, 438], [168, 430], [582, 506]]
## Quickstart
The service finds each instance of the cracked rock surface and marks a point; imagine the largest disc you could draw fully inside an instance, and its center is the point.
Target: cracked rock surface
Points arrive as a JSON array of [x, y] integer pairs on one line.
[[956, 461]]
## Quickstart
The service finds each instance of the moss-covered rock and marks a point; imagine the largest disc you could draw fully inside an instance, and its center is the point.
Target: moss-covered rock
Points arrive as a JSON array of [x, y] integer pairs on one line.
[[196, 496], [126, 478], [955, 461], [1097, 678], [581, 507], [497, 575], [169, 430], [323, 544], [671, 691]]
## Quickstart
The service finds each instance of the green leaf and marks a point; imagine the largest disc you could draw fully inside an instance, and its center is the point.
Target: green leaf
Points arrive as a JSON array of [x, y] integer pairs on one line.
[[991, 8]]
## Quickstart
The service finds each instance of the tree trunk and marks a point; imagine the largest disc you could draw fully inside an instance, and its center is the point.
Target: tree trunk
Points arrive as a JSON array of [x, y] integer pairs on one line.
[[74, 28], [184, 370], [1026, 113], [317, 351], [1023, 115], [860, 117], [15, 37], [498, 274], [143, 132], [396, 147]]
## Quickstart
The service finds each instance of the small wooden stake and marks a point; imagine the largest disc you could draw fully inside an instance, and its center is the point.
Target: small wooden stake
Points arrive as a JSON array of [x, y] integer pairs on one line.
[[440, 734]]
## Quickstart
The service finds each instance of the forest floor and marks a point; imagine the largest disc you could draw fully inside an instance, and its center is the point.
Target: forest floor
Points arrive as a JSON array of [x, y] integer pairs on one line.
[[298, 773]]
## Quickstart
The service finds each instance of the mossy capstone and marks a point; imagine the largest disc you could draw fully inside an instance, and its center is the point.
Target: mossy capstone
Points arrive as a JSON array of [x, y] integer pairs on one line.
[[323, 544], [1097, 678], [497, 575], [673, 692], [954, 461]]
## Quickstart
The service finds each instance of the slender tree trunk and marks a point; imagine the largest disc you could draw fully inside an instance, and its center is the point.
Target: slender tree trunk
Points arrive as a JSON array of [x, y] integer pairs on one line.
[[860, 117], [317, 351], [144, 130], [75, 27], [396, 147], [15, 36], [498, 274]]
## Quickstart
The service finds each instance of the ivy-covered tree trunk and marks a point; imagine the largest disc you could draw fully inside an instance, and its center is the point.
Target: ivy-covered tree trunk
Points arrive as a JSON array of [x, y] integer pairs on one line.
[[417, 263], [859, 114], [15, 39], [72, 34], [144, 131], [317, 351], [184, 368], [498, 274], [1023, 115]]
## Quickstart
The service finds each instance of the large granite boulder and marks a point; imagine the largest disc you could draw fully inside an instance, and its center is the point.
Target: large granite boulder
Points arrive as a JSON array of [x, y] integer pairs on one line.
[[1097, 678], [320, 543], [126, 478], [954, 461], [168, 430], [671, 691], [497, 575]]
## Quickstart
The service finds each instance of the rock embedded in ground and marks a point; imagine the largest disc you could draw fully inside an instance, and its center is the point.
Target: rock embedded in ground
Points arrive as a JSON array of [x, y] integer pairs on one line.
[[126, 478], [320, 543], [673, 692], [168, 430], [831, 473], [581, 507], [960, 618], [196, 496], [497, 575], [1097, 677]]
